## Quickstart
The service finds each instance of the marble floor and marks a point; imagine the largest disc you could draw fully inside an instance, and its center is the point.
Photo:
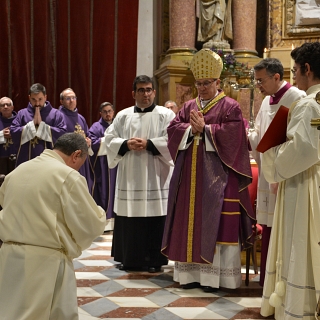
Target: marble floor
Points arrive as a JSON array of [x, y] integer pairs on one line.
[[105, 292]]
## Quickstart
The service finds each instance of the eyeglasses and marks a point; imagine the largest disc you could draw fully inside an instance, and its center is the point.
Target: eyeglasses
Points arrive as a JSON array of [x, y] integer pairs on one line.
[[294, 71], [107, 111], [70, 98], [142, 91], [205, 84], [2, 105], [259, 82]]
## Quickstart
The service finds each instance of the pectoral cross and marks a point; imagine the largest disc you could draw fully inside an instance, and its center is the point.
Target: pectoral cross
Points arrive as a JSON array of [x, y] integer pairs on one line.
[[198, 138], [34, 141], [8, 142]]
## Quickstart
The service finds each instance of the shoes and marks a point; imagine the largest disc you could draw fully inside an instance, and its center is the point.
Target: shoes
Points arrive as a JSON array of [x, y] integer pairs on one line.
[[154, 269], [209, 289], [191, 285]]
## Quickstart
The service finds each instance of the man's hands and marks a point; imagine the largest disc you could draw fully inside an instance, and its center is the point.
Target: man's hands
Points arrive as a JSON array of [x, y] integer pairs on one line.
[[6, 133], [37, 116], [196, 121], [137, 144]]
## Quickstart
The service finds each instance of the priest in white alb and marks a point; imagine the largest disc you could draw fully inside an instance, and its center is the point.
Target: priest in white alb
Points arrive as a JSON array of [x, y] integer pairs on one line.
[[136, 141]]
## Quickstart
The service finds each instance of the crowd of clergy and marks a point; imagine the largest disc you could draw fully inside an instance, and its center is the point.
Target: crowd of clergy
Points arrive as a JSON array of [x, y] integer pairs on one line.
[[176, 181]]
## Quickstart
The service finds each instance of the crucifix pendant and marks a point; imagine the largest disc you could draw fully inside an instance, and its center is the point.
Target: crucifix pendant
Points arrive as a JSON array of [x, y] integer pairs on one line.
[[198, 138]]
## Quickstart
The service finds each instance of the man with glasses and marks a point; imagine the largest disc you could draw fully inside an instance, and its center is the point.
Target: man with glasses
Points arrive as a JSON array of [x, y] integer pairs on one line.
[[292, 282], [104, 185], [210, 216], [75, 122], [269, 79], [136, 141], [8, 150], [36, 127]]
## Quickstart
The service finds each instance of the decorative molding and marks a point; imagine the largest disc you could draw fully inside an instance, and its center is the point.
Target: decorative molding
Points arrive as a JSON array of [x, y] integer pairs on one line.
[[289, 27]]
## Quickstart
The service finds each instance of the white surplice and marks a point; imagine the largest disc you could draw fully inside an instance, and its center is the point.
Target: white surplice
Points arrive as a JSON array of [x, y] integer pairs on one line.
[[143, 179], [295, 165], [266, 195], [48, 218]]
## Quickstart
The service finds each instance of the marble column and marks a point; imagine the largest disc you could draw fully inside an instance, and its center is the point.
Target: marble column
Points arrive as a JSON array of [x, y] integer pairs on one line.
[[182, 26], [174, 75], [244, 13]]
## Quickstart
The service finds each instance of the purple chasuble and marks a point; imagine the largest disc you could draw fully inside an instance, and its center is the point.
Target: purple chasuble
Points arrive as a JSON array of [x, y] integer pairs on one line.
[[75, 122], [34, 147], [105, 178], [278, 95], [208, 201], [9, 147]]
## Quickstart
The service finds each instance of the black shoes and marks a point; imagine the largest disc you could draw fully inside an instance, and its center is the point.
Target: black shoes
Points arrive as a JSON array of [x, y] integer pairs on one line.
[[209, 289], [194, 285], [154, 269], [128, 268], [191, 285]]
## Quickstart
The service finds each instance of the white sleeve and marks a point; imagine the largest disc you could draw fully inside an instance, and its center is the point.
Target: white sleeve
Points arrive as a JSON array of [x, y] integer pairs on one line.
[[28, 132]]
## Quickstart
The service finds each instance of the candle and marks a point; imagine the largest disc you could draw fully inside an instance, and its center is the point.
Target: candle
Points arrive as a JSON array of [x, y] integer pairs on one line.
[[291, 66], [265, 54]]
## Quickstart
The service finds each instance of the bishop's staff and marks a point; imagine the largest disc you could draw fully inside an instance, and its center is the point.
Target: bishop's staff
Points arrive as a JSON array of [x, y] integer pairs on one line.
[[251, 87]]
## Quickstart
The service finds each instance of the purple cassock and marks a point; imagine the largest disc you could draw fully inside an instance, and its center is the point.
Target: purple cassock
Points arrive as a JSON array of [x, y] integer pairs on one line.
[[208, 201], [75, 122], [8, 150], [34, 147], [105, 178]]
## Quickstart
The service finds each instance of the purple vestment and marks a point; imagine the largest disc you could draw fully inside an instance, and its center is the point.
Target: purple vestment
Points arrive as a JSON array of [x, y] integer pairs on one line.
[[8, 150], [105, 178], [75, 122], [34, 147], [209, 201]]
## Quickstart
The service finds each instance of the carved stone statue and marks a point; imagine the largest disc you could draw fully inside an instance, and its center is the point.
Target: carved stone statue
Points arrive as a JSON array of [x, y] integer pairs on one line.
[[215, 23]]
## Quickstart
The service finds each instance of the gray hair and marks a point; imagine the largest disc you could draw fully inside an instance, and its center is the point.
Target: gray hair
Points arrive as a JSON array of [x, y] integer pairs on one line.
[[170, 101], [61, 94], [8, 99], [71, 142]]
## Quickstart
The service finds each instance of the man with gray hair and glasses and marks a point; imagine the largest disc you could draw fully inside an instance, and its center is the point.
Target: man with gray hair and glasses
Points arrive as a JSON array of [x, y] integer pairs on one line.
[[36, 127], [54, 219], [269, 79], [8, 150]]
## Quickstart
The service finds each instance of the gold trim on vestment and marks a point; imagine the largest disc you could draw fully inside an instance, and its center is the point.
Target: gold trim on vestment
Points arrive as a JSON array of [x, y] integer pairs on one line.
[[211, 104], [230, 213], [192, 200]]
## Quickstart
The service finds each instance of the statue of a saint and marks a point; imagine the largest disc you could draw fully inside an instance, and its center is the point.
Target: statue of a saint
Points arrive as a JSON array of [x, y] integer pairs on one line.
[[215, 23]]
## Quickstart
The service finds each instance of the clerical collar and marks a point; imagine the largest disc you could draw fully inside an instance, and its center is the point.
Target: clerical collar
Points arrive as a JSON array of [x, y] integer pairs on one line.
[[205, 102], [275, 98], [149, 109]]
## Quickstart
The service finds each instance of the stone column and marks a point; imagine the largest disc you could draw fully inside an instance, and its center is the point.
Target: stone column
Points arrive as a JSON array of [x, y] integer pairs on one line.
[[182, 26], [174, 75], [244, 13]]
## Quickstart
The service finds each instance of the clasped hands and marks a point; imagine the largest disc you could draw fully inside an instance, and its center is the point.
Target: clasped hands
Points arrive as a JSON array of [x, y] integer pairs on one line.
[[37, 116], [196, 121], [6, 133], [137, 144]]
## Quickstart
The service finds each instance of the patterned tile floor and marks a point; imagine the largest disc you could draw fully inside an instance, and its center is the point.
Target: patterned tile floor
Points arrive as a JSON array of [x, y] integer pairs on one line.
[[104, 292]]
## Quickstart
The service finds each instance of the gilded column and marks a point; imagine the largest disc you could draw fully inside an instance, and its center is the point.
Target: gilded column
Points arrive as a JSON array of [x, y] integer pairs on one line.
[[244, 13]]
